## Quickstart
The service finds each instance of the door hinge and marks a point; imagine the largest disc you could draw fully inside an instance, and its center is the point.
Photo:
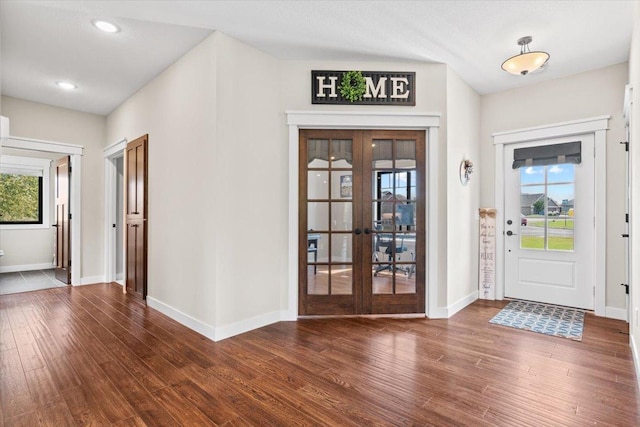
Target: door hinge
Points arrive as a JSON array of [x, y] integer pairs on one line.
[[626, 145], [69, 215], [69, 263], [69, 168], [626, 218]]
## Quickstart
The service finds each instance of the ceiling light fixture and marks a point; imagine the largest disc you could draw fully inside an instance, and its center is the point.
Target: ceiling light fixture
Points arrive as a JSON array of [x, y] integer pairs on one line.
[[106, 26], [526, 61], [66, 85]]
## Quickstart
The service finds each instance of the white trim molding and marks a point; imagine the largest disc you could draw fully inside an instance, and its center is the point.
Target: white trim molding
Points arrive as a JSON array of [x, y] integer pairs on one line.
[[429, 122], [26, 267], [91, 280], [597, 126], [216, 333], [636, 357], [111, 153], [616, 313]]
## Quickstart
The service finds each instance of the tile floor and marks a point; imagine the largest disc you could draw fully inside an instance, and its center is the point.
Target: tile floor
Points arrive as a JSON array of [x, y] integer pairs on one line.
[[25, 281]]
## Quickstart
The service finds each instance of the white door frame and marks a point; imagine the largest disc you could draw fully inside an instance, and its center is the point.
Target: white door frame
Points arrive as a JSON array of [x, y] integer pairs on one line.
[[75, 204], [430, 123], [111, 153], [598, 127]]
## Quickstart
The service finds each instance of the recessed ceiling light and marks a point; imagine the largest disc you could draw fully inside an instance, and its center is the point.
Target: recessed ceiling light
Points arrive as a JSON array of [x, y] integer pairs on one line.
[[106, 26], [66, 85]]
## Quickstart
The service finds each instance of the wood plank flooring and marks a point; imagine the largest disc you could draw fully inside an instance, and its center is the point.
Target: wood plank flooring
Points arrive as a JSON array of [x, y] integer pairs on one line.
[[93, 356]]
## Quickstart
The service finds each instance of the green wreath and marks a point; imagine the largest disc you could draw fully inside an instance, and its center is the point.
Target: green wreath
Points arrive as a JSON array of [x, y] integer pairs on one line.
[[353, 86]]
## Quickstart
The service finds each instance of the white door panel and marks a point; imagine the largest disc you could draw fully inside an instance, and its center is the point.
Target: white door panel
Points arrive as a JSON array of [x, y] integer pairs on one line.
[[549, 228]]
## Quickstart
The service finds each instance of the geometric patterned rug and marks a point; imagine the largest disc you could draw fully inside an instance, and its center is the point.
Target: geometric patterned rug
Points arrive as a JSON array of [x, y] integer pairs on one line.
[[542, 318]]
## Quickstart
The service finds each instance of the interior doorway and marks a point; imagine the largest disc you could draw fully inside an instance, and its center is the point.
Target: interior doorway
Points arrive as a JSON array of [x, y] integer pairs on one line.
[[114, 212], [361, 222], [54, 150]]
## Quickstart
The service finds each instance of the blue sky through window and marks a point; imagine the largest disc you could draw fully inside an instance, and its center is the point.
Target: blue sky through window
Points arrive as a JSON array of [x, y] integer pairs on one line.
[[561, 173]]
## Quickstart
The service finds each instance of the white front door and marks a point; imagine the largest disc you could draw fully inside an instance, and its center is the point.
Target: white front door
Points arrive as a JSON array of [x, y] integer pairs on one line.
[[550, 226]]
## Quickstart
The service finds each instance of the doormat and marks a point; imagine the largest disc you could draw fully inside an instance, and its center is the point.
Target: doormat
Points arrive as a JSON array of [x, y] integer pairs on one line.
[[542, 318]]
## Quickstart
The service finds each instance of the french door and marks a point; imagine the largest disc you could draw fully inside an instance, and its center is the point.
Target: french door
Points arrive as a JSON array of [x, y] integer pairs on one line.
[[362, 222], [549, 214]]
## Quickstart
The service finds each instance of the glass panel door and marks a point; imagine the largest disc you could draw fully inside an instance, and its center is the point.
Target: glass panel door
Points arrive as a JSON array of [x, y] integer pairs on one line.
[[361, 222], [327, 186], [395, 171]]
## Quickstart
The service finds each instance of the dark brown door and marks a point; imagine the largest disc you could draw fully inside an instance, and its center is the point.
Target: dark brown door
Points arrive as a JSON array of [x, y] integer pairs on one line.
[[63, 218], [136, 216], [362, 212]]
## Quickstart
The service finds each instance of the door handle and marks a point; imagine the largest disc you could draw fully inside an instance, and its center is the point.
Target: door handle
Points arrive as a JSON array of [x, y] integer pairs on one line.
[[511, 233], [357, 231], [367, 231], [55, 225], [625, 235]]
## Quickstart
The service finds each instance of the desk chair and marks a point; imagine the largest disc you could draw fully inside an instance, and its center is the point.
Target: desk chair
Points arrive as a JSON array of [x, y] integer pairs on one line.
[[386, 240]]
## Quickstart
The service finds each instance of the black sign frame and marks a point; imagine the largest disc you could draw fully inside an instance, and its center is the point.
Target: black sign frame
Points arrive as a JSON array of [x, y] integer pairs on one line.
[[392, 91]]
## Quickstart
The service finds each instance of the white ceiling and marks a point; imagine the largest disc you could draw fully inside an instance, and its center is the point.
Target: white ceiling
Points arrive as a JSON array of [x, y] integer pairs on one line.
[[43, 42]]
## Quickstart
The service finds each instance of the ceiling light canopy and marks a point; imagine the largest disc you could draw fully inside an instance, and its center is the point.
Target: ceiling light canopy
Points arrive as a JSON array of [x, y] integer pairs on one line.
[[66, 85], [106, 26], [526, 61]]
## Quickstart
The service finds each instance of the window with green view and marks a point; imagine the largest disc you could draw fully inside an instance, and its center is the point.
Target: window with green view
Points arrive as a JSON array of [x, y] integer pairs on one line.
[[20, 199]]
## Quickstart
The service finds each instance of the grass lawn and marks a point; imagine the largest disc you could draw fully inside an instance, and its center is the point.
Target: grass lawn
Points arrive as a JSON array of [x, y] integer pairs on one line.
[[554, 243], [552, 223]]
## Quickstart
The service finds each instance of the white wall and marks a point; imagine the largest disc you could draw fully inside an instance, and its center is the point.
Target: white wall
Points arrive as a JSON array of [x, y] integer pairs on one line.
[[217, 184], [634, 153], [178, 111], [463, 202], [250, 197], [38, 121], [590, 94]]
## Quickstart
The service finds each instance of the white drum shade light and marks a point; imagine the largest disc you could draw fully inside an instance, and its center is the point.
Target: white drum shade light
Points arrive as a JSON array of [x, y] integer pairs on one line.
[[526, 61]]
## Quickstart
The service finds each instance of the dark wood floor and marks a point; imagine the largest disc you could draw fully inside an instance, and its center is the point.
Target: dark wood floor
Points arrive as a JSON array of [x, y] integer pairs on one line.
[[93, 356]]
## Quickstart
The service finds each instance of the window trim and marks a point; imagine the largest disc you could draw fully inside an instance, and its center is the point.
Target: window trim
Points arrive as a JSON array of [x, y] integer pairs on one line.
[[43, 165]]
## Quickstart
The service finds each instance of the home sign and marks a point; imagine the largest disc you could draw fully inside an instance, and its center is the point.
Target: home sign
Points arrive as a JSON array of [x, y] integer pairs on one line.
[[363, 87]]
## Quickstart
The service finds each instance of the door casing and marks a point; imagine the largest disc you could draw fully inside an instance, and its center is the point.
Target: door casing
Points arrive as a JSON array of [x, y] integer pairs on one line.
[[430, 123], [598, 127], [111, 153]]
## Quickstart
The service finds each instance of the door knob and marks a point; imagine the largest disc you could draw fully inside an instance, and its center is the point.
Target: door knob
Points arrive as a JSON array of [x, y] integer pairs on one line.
[[357, 231], [367, 231], [511, 233]]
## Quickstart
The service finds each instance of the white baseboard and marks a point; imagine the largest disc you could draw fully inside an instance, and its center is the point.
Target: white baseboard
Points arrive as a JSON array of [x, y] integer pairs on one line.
[[26, 267], [91, 280], [446, 312], [180, 317], [120, 282], [219, 333], [247, 325], [616, 313], [461, 303], [636, 357]]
